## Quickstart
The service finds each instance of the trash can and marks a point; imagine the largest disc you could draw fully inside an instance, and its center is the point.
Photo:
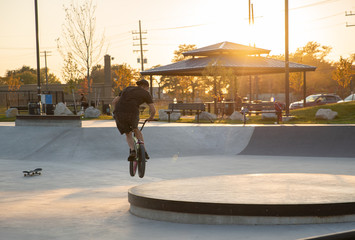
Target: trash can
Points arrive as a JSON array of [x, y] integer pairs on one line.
[[106, 109], [49, 109], [34, 108], [229, 109]]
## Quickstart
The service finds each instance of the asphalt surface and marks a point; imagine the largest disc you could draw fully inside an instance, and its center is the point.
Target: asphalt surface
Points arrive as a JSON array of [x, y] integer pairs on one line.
[[82, 193]]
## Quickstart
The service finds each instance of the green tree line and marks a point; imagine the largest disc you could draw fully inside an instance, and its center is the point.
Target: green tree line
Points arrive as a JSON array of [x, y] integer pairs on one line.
[[26, 75]]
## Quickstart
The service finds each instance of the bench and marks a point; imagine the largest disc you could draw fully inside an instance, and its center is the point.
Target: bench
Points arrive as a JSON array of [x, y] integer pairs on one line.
[[259, 106], [198, 107], [278, 114], [21, 108]]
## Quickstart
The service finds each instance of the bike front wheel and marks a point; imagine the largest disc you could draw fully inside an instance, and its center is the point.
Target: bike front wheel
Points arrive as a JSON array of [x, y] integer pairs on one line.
[[141, 160], [133, 168]]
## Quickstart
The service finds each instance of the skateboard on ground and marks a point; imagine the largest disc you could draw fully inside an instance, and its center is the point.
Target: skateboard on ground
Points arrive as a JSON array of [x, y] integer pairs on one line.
[[36, 171]]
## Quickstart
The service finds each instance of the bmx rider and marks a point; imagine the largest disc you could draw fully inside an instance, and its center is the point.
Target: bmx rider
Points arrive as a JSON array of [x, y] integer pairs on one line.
[[126, 112]]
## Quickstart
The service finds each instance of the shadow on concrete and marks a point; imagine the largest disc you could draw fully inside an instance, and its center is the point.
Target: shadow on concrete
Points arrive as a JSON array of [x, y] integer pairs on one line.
[[306, 141]]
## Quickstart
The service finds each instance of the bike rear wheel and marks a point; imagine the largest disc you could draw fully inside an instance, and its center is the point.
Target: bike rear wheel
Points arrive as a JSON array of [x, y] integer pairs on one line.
[[141, 160]]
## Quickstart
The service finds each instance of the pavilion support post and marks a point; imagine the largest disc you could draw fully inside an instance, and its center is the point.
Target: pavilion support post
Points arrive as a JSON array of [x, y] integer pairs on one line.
[[250, 89], [235, 93], [304, 89], [256, 87], [215, 96], [151, 85]]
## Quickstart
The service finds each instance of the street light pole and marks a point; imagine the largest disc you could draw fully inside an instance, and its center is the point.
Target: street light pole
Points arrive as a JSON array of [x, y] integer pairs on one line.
[[287, 67]]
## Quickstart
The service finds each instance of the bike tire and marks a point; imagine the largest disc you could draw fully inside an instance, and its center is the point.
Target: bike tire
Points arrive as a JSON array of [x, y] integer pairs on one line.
[[133, 168], [141, 160]]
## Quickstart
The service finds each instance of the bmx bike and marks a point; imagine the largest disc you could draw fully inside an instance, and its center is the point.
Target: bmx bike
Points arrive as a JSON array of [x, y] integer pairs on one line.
[[139, 161]]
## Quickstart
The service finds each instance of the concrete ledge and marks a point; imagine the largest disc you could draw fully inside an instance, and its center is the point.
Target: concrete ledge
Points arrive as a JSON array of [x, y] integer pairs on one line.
[[189, 218], [248, 199], [48, 120]]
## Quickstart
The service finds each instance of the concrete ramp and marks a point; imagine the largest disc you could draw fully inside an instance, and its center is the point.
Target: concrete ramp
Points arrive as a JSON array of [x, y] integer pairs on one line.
[[308, 141], [174, 140], [105, 143]]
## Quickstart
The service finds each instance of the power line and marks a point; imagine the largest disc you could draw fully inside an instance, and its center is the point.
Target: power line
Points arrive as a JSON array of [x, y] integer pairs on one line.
[[172, 28], [329, 16], [348, 15], [314, 4]]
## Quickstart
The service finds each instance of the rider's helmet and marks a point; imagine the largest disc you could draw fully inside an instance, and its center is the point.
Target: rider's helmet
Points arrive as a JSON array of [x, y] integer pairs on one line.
[[142, 82]]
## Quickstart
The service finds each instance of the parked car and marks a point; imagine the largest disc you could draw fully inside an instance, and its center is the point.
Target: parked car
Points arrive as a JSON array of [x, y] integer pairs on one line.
[[316, 99], [349, 98]]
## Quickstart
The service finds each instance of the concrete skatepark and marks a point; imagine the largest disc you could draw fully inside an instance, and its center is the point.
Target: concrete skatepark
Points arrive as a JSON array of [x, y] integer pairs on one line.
[[82, 193]]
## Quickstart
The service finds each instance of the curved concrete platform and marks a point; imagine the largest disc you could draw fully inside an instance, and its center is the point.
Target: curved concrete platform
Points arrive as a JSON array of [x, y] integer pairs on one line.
[[248, 199]]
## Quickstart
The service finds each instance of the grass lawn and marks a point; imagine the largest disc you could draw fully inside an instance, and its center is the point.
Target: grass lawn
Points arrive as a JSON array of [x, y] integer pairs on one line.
[[346, 115]]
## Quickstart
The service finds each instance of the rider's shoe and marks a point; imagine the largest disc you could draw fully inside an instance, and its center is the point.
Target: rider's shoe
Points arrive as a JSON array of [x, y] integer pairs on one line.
[[132, 155], [147, 156]]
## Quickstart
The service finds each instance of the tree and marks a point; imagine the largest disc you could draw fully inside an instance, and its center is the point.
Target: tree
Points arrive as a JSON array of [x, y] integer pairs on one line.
[[181, 87], [27, 75], [21, 70], [52, 79], [319, 81], [296, 82], [70, 73], [178, 54], [313, 50], [98, 74], [171, 85], [123, 75], [83, 86], [314, 54], [14, 83], [79, 37], [122, 78], [343, 73], [2, 81], [217, 79]]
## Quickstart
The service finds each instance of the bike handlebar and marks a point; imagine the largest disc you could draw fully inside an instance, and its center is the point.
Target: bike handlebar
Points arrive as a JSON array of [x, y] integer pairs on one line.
[[145, 121]]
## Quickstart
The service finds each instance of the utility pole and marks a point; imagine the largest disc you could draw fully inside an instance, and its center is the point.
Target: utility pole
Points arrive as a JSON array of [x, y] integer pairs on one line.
[[38, 56], [249, 13], [251, 25], [140, 38], [347, 15], [250, 85], [287, 64], [45, 61]]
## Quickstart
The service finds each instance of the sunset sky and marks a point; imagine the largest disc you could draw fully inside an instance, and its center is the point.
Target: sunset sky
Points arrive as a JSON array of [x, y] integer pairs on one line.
[[171, 23]]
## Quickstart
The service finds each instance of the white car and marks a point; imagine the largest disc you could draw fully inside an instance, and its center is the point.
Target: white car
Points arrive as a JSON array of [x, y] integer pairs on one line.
[[316, 99], [349, 98]]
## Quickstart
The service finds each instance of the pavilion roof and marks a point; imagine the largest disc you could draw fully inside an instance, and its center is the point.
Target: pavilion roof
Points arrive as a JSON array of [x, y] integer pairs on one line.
[[239, 64], [227, 48]]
